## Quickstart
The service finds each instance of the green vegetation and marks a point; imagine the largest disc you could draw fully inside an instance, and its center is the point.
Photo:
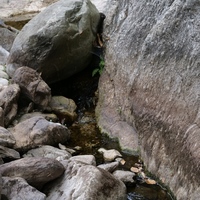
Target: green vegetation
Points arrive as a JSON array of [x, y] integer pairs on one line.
[[99, 70]]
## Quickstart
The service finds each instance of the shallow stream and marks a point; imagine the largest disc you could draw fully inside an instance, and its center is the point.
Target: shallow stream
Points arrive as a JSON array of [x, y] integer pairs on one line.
[[85, 133]]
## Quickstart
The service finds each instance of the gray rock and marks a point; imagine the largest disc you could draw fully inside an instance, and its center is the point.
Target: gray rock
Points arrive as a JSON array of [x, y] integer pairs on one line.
[[85, 182], [32, 86], [58, 41], [124, 176], [6, 137], [3, 55], [11, 154], [48, 116], [47, 152], [100, 4], [64, 107], [110, 167], [9, 102], [152, 82], [3, 83], [6, 40], [38, 131], [18, 189], [36, 171], [88, 159], [4, 75]]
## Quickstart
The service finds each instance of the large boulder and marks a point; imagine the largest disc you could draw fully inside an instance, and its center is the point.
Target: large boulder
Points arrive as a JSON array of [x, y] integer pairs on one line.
[[58, 41], [36, 171], [151, 83], [82, 181], [37, 131]]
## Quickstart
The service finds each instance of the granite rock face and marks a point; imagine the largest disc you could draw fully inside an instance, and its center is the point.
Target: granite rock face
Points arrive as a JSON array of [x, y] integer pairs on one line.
[[58, 41], [151, 83]]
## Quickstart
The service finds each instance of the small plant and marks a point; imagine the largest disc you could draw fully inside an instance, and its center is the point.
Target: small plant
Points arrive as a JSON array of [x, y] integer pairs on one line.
[[100, 68]]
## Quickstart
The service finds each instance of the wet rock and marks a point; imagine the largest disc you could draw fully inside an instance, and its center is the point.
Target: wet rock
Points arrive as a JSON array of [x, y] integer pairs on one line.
[[88, 159], [64, 107], [48, 152], [57, 45], [32, 86], [6, 40], [38, 131], [18, 188], [109, 155], [9, 102], [7, 153], [6, 138], [110, 167], [85, 182], [36, 171], [124, 176]]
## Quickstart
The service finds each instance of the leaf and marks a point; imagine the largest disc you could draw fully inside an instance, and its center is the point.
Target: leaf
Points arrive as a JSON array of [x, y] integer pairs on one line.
[[95, 71], [150, 181]]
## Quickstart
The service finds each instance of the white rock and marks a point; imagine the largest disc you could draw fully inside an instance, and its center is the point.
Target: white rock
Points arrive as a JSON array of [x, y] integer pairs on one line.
[[4, 82], [109, 155]]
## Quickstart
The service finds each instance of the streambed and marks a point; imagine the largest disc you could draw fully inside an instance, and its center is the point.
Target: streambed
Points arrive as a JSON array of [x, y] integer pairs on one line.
[[86, 135]]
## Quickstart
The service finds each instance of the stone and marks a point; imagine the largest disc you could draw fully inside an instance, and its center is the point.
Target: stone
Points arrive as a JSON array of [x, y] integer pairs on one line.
[[88, 159], [9, 102], [63, 147], [18, 188], [64, 107], [100, 4], [4, 75], [3, 82], [110, 167], [32, 86], [36, 171], [6, 41], [9, 154], [48, 116], [47, 151], [58, 41], [3, 54], [85, 181], [151, 83], [37, 131], [124, 176], [6, 138], [109, 155]]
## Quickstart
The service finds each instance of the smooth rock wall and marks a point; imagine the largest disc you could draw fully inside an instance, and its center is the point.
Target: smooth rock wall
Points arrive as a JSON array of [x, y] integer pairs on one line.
[[151, 83]]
